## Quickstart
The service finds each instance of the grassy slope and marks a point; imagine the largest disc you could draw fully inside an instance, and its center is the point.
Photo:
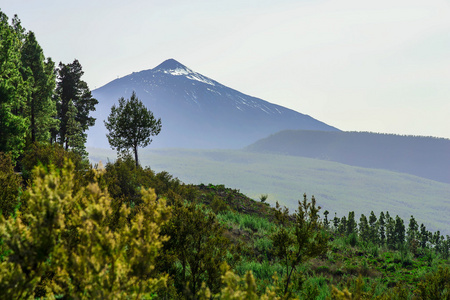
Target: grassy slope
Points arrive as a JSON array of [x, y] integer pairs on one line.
[[250, 223], [337, 187]]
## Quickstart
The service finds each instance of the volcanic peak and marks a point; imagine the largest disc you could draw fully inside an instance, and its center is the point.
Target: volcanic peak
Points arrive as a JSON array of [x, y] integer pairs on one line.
[[172, 65]]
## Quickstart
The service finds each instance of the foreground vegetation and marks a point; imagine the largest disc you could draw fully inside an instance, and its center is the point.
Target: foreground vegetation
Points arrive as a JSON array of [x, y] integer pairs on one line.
[[121, 231]]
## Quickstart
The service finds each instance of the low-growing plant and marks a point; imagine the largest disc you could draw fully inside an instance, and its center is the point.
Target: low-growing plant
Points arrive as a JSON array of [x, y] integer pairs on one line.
[[264, 245], [261, 270], [218, 205]]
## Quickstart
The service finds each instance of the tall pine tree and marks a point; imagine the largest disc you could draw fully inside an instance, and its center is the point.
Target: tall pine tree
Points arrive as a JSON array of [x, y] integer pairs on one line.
[[39, 73], [74, 121], [14, 90]]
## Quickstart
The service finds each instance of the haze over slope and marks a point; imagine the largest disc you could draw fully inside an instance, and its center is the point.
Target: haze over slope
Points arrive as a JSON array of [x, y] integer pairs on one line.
[[196, 111], [426, 157], [337, 187]]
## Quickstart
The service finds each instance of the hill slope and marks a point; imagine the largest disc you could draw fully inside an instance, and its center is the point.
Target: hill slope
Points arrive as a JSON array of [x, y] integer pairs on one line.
[[421, 156], [338, 188], [196, 111]]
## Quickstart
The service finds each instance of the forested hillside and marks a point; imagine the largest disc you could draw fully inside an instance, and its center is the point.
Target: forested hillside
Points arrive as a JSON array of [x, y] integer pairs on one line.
[[426, 157]]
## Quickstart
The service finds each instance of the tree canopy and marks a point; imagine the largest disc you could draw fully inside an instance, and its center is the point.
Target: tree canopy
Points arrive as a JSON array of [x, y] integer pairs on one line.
[[39, 103], [14, 90], [74, 102], [131, 125]]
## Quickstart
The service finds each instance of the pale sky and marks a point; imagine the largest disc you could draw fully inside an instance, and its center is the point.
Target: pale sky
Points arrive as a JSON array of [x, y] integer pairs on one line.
[[380, 66]]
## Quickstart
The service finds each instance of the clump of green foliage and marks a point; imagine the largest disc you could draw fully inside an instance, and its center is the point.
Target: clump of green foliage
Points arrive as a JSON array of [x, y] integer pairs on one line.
[[67, 242], [10, 186], [296, 242], [39, 102], [131, 125], [45, 154]]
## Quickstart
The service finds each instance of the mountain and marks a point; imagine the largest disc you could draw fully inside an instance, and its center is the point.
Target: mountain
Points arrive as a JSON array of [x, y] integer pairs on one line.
[[426, 157], [196, 111]]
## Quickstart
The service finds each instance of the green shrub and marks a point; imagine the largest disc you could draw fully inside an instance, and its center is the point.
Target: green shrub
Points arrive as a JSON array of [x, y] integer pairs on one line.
[[66, 233], [10, 186], [261, 270], [253, 223], [436, 285], [125, 180], [374, 250], [264, 246], [46, 154], [218, 205]]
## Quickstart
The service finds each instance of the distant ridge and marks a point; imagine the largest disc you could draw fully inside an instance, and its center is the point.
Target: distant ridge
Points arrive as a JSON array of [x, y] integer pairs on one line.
[[426, 157], [197, 111]]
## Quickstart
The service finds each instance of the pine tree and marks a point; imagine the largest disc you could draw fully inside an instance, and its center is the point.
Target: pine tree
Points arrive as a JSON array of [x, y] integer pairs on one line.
[[424, 236], [390, 232], [10, 187], [326, 223], [305, 240], [351, 223], [399, 232], [343, 225], [364, 230], [374, 237], [14, 91], [75, 137], [381, 229], [41, 108], [412, 234], [70, 88], [131, 125], [336, 222]]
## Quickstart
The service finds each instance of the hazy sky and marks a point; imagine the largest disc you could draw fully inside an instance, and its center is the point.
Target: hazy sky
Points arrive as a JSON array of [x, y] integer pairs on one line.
[[381, 66]]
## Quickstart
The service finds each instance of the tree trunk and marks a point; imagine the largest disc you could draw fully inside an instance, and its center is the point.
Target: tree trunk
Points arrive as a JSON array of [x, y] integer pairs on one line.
[[136, 156], [33, 121]]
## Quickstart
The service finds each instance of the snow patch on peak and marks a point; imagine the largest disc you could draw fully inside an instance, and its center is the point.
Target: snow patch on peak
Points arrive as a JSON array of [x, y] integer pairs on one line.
[[198, 77], [173, 67], [178, 71]]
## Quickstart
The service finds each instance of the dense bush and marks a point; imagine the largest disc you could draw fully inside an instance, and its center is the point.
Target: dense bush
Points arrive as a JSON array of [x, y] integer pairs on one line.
[[196, 249], [125, 180], [45, 154], [10, 186], [64, 242]]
